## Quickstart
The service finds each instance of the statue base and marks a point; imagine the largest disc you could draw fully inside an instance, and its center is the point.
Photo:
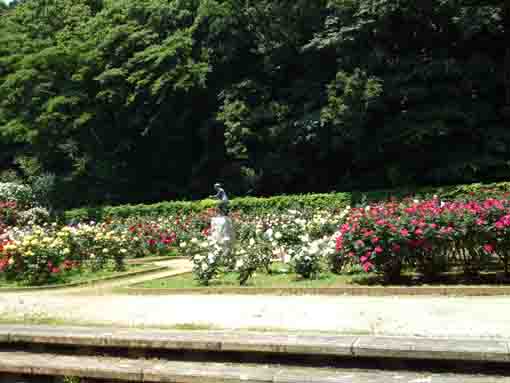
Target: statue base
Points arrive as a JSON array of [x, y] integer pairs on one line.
[[222, 230]]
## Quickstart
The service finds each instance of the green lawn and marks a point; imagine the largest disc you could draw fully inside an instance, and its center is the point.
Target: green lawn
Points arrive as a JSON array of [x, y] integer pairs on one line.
[[86, 275], [282, 278], [277, 279]]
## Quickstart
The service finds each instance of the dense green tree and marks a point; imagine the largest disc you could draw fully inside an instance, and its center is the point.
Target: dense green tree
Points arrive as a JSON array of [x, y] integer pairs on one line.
[[142, 100]]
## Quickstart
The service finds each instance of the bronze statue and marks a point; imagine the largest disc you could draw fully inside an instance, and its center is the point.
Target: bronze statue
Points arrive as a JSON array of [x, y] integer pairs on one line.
[[222, 197]]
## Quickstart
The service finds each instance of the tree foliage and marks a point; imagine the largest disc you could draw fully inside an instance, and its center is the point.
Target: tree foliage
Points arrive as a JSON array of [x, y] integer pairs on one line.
[[143, 100]]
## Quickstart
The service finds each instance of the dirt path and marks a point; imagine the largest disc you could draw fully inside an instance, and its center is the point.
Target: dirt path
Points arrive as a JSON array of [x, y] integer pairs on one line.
[[414, 316]]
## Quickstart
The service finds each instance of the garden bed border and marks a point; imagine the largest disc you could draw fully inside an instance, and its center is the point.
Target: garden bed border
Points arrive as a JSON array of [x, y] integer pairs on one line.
[[84, 283], [456, 291]]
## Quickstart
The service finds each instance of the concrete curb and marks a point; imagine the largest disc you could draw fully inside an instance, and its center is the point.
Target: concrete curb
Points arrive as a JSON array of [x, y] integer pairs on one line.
[[152, 370], [464, 291], [405, 348], [136, 261], [84, 283]]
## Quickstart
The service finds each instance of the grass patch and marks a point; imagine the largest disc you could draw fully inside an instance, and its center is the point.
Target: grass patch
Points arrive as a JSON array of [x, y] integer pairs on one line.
[[281, 277], [77, 276], [278, 279]]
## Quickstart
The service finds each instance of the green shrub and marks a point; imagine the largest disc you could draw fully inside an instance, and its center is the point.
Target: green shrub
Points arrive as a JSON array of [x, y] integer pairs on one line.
[[14, 192], [256, 205]]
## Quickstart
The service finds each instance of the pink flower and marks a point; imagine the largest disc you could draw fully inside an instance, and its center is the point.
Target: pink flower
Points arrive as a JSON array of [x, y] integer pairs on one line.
[[367, 266], [378, 250], [418, 232], [375, 240], [404, 232], [488, 248], [339, 243], [364, 258], [499, 225]]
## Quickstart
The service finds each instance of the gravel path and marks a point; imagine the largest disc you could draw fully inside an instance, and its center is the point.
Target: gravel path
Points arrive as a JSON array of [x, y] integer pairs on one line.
[[412, 316]]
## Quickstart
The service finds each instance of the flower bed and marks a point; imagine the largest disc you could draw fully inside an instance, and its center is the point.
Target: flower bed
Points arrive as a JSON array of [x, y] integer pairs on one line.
[[46, 254], [34, 252], [430, 236], [424, 238], [82, 275]]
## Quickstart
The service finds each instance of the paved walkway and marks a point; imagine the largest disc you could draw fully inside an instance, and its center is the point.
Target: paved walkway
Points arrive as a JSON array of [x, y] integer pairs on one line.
[[485, 317]]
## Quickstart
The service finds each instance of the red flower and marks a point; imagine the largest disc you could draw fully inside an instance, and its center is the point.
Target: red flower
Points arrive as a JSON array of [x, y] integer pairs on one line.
[[55, 270], [395, 248], [339, 243], [365, 257], [367, 266], [489, 248]]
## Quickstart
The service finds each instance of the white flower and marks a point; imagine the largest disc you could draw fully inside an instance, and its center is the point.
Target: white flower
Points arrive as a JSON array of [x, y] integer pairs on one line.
[[182, 244], [252, 242], [278, 235], [239, 263], [314, 248], [304, 238], [123, 251]]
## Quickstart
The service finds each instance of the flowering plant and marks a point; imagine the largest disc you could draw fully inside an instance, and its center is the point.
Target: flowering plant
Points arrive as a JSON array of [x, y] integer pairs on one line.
[[425, 234]]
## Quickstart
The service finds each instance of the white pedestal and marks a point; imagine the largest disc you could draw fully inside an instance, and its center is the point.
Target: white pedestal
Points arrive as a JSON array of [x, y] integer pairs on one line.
[[222, 231]]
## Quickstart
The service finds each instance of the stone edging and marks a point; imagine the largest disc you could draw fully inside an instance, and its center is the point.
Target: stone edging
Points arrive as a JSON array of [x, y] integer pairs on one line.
[[84, 283], [135, 261], [406, 348], [463, 291]]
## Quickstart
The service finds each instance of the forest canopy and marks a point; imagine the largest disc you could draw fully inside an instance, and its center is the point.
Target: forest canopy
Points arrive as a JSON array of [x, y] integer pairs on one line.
[[149, 100]]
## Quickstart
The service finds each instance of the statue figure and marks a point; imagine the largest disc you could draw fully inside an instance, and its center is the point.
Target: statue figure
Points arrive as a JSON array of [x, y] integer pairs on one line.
[[221, 195]]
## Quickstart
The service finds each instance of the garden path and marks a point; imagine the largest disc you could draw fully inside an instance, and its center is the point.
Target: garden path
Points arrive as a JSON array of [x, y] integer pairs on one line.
[[485, 317]]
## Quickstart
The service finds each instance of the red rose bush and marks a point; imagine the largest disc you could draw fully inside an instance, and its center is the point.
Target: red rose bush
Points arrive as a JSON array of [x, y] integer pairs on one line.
[[428, 235]]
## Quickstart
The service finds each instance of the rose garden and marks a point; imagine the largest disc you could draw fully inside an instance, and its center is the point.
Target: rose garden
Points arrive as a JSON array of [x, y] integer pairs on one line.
[[314, 240]]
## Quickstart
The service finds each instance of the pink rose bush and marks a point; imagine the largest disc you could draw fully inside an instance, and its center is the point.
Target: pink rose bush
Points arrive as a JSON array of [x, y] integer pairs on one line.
[[428, 235]]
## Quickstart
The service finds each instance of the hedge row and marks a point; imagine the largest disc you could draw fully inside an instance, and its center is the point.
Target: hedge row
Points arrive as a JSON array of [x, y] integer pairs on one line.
[[284, 202]]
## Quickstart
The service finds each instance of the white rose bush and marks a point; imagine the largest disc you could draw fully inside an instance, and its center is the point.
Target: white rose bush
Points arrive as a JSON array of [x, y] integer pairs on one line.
[[305, 240]]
